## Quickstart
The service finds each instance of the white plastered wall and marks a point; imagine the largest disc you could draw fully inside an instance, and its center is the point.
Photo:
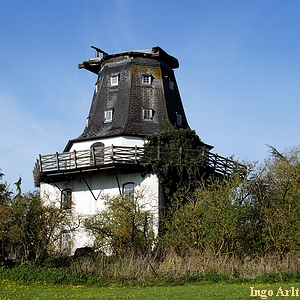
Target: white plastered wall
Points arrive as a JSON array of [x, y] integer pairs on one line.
[[116, 141], [86, 202]]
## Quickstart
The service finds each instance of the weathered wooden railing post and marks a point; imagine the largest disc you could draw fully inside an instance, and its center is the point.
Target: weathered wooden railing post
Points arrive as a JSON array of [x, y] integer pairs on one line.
[[93, 156], [226, 165], [135, 154], [40, 163], [112, 153], [204, 156], [57, 160], [75, 159], [215, 161]]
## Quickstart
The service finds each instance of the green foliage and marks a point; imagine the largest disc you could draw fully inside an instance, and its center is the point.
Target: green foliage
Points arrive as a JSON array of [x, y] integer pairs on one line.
[[32, 273], [254, 215], [174, 138], [29, 228], [274, 277], [168, 155], [209, 221], [275, 198], [104, 270], [4, 189], [125, 226]]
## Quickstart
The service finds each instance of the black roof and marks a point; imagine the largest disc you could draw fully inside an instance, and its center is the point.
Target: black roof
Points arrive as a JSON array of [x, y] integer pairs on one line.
[[95, 64]]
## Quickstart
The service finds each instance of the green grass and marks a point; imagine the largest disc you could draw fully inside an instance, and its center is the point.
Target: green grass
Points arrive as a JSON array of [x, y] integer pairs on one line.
[[14, 290]]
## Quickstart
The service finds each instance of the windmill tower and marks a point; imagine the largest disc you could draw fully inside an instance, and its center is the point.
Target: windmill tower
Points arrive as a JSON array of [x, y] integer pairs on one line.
[[134, 93]]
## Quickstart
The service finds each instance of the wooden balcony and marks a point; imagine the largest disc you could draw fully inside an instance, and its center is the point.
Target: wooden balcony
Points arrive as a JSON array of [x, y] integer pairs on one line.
[[57, 166]]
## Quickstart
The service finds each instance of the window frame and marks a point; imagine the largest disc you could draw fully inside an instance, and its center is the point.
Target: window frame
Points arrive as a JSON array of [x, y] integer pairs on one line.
[[66, 240], [147, 114], [179, 119], [171, 85], [147, 79], [97, 155], [66, 200], [108, 112], [114, 80], [128, 192]]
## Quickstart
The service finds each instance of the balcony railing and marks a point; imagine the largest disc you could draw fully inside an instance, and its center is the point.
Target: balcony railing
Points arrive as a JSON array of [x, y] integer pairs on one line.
[[99, 158]]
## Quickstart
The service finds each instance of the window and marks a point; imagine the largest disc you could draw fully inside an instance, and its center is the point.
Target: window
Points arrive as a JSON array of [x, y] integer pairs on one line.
[[114, 80], [97, 153], [66, 241], [171, 85], [146, 79], [147, 114], [178, 119], [108, 114], [97, 145], [128, 189], [66, 199]]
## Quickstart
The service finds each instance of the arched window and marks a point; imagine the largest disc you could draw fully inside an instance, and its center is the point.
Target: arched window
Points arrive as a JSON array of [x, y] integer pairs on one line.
[[97, 153], [66, 199], [97, 145], [128, 189]]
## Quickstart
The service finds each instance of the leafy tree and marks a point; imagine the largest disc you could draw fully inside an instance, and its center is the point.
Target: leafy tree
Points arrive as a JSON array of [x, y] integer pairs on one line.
[[4, 189], [126, 226], [209, 220], [29, 229], [1, 184], [275, 197], [176, 157]]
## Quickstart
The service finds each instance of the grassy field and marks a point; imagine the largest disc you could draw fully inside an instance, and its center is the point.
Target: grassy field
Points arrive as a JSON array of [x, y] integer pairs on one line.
[[13, 290]]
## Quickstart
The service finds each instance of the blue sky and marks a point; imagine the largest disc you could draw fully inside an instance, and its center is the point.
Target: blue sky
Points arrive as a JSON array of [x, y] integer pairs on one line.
[[239, 73]]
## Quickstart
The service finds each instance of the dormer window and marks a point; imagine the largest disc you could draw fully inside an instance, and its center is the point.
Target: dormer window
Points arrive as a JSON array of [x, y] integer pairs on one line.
[[108, 114], [147, 79], [114, 80], [171, 85], [178, 119], [147, 114]]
